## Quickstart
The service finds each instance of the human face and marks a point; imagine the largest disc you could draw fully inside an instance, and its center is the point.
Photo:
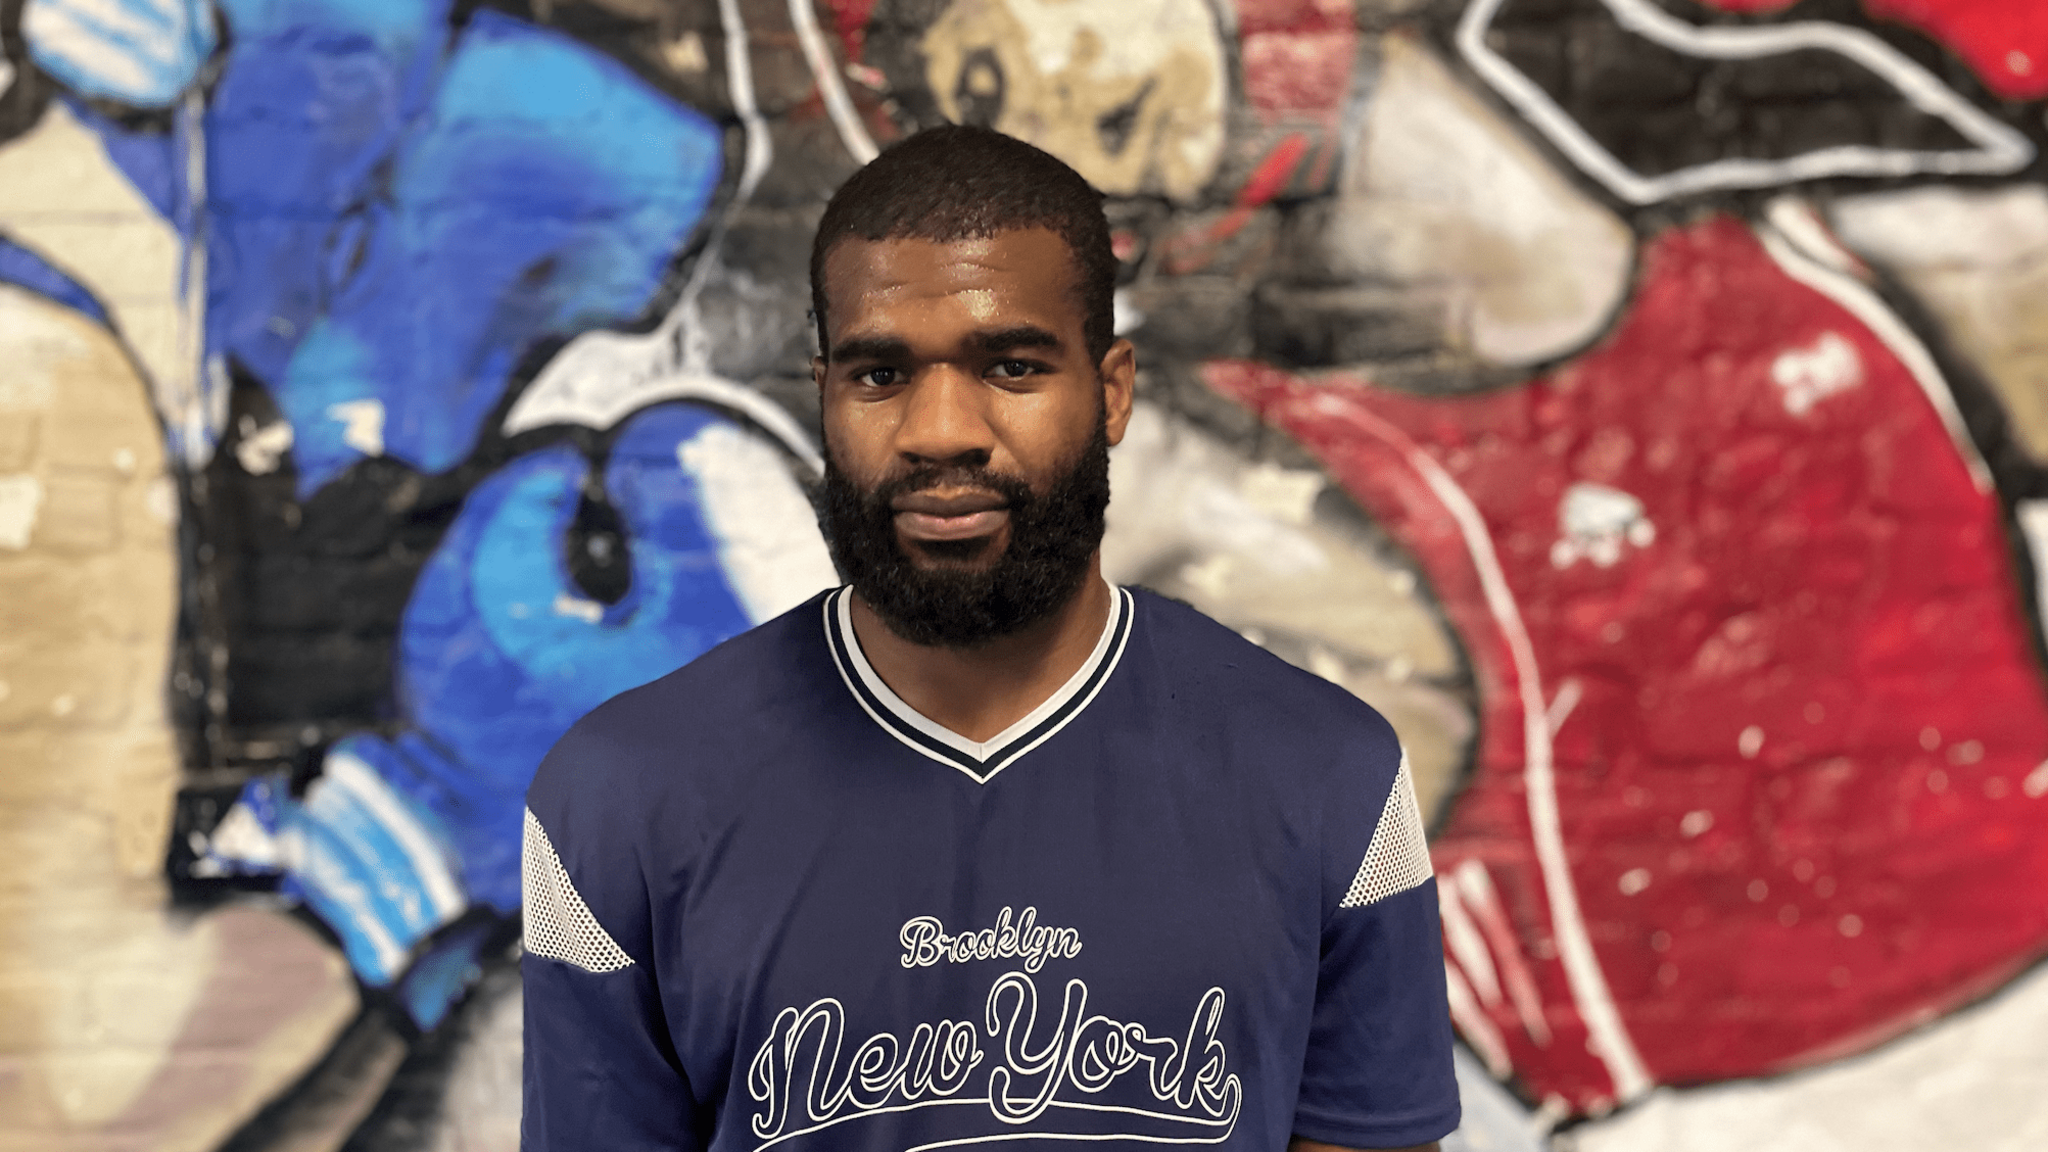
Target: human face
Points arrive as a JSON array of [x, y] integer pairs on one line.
[[963, 355], [967, 430]]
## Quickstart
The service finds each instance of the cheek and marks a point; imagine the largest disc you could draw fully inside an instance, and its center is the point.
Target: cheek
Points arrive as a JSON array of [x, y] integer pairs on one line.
[[1045, 432], [857, 437]]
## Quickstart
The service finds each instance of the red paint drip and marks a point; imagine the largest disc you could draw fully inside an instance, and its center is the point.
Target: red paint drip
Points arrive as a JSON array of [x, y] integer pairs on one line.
[[850, 20], [1190, 251], [1270, 178]]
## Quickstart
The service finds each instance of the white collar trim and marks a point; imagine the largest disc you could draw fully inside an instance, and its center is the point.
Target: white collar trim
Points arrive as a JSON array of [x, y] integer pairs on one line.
[[982, 759]]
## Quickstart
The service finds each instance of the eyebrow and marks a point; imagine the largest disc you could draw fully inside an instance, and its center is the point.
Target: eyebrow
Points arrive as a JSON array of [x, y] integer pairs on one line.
[[1021, 336], [871, 348], [987, 341]]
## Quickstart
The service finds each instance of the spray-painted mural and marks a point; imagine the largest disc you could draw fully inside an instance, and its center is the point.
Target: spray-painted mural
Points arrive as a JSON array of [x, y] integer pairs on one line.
[[1643, 402]]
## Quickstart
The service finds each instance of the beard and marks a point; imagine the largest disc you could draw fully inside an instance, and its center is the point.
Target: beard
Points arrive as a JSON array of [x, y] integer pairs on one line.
[[957, 602]]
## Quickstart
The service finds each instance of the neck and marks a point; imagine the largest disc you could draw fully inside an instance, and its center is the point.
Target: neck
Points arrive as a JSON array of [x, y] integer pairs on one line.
[[977, 692]]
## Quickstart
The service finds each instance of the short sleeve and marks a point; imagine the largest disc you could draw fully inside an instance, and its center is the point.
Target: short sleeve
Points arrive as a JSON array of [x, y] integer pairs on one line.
[[599, 1068], [1378, 1071]]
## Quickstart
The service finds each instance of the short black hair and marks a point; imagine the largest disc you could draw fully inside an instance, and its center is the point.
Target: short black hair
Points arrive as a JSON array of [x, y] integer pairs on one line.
[[957, 182]]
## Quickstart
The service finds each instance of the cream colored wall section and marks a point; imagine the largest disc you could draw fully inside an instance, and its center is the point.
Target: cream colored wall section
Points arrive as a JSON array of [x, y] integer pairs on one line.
[[61, 197], [1060, 69], [120, 1019], [1442, 196], [1978, 259]]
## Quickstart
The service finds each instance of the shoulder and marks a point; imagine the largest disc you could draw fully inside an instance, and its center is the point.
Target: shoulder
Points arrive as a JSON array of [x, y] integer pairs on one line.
[[1332, 762], [1220, 671], [617, 811]]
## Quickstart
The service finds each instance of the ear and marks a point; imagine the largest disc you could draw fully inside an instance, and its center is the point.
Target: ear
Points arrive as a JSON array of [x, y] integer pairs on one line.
[[818, 373], [1119, 375]]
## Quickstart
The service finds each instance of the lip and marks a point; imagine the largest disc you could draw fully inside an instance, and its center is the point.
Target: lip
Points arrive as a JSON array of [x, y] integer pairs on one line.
[[931, 515]]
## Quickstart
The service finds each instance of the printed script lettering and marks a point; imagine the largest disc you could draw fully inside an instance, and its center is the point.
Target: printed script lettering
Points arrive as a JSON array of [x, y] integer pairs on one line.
[[1035, 1065], [925, 942]]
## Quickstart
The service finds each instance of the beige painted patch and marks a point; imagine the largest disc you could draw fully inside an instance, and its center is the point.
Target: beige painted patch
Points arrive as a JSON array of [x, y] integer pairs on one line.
[[1978, 259], [111, 1007], [61, 196], [1441, 194], [1131, 94], [1196, 520], [84, 747], [21, 501]]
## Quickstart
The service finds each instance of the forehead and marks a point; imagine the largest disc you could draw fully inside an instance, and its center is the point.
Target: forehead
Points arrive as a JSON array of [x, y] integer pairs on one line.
[[1027, 274]]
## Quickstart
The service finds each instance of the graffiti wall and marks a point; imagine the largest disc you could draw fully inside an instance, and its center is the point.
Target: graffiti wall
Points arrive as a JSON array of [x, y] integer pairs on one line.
[[1644, 403]]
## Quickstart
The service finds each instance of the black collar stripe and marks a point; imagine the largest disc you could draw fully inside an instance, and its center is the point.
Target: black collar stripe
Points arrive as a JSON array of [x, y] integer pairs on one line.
[[877, 710], [979, 760]]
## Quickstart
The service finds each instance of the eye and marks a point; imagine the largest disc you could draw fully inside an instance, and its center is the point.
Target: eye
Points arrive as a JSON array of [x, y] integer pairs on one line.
[[1013, 369], [876, 377]]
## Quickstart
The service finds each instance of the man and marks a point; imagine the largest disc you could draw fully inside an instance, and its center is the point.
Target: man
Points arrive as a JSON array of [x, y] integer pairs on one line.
[[979, 849]]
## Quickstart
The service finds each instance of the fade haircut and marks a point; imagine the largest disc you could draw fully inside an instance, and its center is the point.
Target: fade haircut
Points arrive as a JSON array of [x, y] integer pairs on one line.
[[957, 182]]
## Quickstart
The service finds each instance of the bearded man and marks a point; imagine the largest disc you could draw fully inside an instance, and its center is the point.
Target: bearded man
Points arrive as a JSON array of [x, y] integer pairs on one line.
[[979, 848]]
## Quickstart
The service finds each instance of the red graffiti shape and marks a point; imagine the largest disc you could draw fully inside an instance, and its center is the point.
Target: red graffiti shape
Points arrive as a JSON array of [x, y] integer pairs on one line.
[[2005, 43], [1760, 776], [1297, 55], [850, 21]]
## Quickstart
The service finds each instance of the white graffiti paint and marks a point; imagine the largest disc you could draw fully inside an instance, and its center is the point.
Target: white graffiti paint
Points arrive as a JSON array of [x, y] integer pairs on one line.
[[2032, 516], [21, 497], [577, 608], [1288, 495], [768, 539], [1597, 521], [141, 53], [1967, 1081], [1484, 962], [602, 378], [193, 395], [1811, 374], [1482, 901], [363, 425], [261, 450], [1607, 1035], [1474, 1025], [845, 119], [1997, 148]]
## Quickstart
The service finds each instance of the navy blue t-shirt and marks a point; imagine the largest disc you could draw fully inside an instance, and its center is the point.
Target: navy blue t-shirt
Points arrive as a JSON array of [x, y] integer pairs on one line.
[[1187, 901]]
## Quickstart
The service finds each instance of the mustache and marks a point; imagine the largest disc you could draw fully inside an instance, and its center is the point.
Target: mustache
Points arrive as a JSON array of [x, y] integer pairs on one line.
[[1014, 491], [1052, 534]]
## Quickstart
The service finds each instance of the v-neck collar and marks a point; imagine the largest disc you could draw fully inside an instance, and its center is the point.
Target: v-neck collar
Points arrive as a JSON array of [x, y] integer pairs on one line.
[[980, 760]]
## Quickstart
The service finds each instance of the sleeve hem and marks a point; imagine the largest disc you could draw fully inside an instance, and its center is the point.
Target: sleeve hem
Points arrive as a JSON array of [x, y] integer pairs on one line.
[[1367, 1132]]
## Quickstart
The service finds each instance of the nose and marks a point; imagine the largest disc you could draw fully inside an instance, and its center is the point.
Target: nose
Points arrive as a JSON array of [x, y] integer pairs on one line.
[[943, 420]]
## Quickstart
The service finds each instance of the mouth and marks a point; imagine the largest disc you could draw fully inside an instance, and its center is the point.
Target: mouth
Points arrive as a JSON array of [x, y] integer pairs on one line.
[[937, 516]]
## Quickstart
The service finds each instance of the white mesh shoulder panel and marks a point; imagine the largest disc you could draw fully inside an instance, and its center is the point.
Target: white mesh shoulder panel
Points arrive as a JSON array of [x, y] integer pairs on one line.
[[1397, 859], [559, 925]]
